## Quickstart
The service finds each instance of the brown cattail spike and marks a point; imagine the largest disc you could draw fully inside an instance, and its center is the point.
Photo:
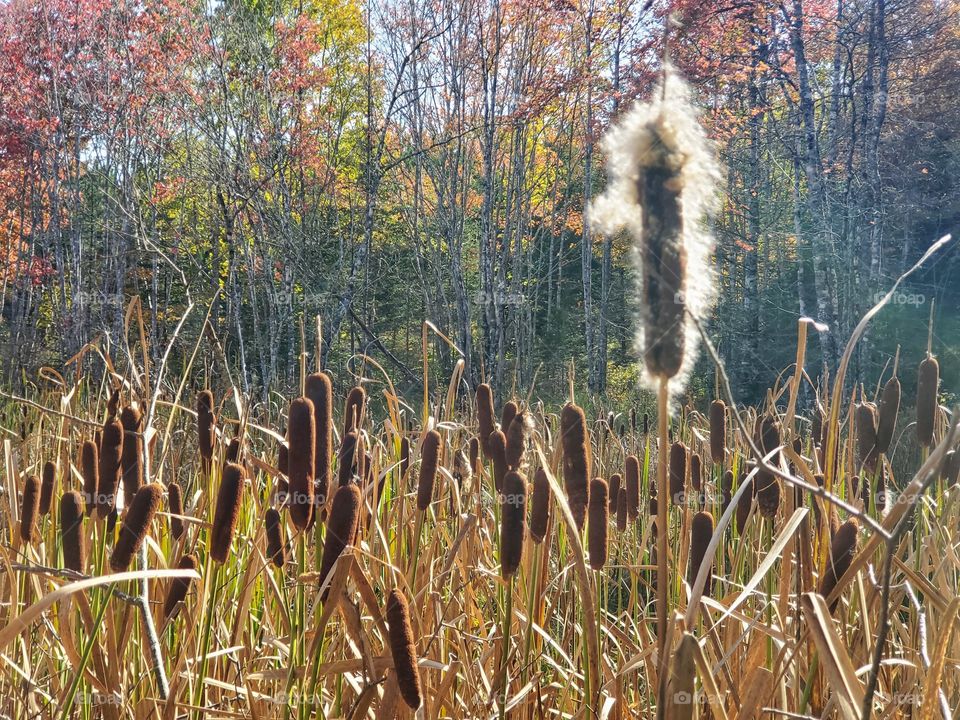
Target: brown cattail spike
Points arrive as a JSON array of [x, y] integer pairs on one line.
[[111, 443], [928, 379], [179, 587], [576, 449], [175, 506], [341, 528], [227, 511], [319, 388], [768, 493], [347, 458], [701, 532], [696, 476], [353, 411], [485, 416], [632, 485], [622, 509], [429, 464], [718, 430], [726, 490], [497, 452], [744, 505], [842, 550], [30, 509], [89, 459], [136, 524], [403, 650], [540, 511], [302, 439], [866, 421], [132, 453], [887, 414], [71, 531], [206, 428], [49, 478], [597, 523], [517, 433], [615, 482], [273, 525], [474, 455], [404, 456], [507, 415], [513, 509], [678, 473]]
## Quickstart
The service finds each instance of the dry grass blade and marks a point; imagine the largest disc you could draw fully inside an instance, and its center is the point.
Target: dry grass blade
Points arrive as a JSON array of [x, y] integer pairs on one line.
[[833, 657]]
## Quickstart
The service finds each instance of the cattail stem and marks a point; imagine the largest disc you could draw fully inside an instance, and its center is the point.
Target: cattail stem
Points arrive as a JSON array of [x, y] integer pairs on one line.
[[505, 649], [662, 579]]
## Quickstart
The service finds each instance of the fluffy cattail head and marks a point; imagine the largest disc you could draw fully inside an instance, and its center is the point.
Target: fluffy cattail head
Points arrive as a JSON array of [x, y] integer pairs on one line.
[[696, 473], [615, 481], [598, 522], [842, 550], [302, 439], [49, 478], [179, 587], [718, 430], [131, 453], [319, 389], [205, 402], [928, 378], [887, 415], [403, 650], [485, 416], [540, 512], [175, 506], [576, 460], [206, 428], [507, 414], [341, 528], [136, 524], [517, 432], [621, 509], [227, 511], [662, 178], [678, 472], [513, 510], [353, 411], [701, 532], [71, 531], [866, 421], [29, 508], [273, 525], [474, 455], [89, 459], [632, 485], [497, 452], [108, 471], [429, 464]]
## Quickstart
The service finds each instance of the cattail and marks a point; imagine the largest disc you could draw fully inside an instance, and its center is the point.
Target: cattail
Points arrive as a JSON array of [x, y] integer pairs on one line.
[[341, 528], [718, 430], [888, 411], [111, 443], [678, 472], [206, 430], [29, 508], [726, 491], [175, 506], [615, 482], [928, 378], [621, 509], [227, 511], [233, 450], [517, 433], [646, 423], [866, 421], [540, 512], [485, 416], [319, 389], [769, 437], [113, 403], [507, 415], [513, 510], [474, 455], [819, 425], [632, 485], [49, 478], [273, 524], [403, 650], [597, 525], [744, 505], [696, 475], [497, 452], [131, 453], [952, 467], [347, 458], [429, 463], [302, 437], [576, 449], [136, 523], [404, 456], [71, 531], [283, 459], [633, 419], [89, 459], [179, 587], [842, 550], [767, 488], [353, 411], [662, 178], [701, 532]]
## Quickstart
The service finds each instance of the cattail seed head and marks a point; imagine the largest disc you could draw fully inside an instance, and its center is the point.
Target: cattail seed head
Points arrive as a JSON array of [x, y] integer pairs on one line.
[[283, 459], [485, 416], [429, 463], [49, 478], [136, 524], [598, 522], [353, 411], [767, 489], [175, 506], [403, 650], [743, 506], [866, 421], [718, 430], [341, 528], [633, 419], [615, 481], [234, 450], [89, 459], [474, 455], [646, 423], [678, 472], [71, 531], [696, 473], [507, 414], [818, 423], [113, 403], [540, 511], [206, 428], [842, 549], [701, 532], [887, 414], [632, 484], [179, 587], [513, 510], [227, 511], [576, 453], [273, 525], [131, 453], [302, 438], [29, 509], [319, 389], [497, 452], [770, 437], [111, 443], [928, 379], [622, 509], [517, 433], [726, 490], [347, 458]]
